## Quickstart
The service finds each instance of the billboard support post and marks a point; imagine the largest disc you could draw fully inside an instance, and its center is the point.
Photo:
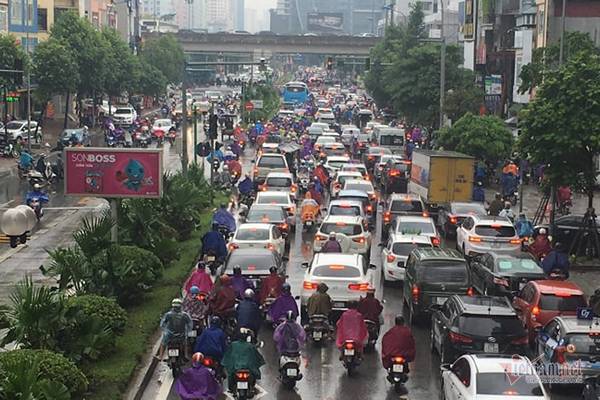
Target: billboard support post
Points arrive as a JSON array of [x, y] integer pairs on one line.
[[114, 214]]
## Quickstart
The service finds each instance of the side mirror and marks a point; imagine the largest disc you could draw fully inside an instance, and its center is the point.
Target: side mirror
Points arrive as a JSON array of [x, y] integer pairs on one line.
[[372, 266], [444, 367], [304, 265]]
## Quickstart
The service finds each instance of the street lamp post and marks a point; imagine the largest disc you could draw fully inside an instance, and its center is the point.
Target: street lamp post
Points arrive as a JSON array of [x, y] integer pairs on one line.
[[442, 65], [27, 17]]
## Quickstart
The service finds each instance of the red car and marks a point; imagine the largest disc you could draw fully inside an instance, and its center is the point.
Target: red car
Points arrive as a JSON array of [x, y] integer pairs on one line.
[[540, 301]]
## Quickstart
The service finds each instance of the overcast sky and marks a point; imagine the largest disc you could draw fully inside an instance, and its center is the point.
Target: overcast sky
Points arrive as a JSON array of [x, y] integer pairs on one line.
[[261, 4]]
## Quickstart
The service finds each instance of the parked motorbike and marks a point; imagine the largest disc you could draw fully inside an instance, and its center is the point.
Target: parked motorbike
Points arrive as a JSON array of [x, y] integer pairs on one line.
[[289, 369], [9, 151], [373, 329], [318, 328], [176, 352], [37, 178], [398, 374], [350, 358]]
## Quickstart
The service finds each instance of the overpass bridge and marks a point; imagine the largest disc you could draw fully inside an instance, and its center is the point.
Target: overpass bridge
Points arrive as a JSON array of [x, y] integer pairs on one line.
[[268, 45]]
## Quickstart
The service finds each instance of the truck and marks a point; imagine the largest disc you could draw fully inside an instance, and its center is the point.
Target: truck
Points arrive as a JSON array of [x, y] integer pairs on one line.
[[441, 177]]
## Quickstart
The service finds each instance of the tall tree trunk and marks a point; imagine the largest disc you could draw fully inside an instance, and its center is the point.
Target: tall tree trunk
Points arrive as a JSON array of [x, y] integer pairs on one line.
[[66, 121], [590, 194]]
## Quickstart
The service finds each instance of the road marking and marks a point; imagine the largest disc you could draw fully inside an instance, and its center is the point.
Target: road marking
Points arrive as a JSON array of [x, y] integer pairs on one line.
[[5, 205], [166, 382], [11, 252]]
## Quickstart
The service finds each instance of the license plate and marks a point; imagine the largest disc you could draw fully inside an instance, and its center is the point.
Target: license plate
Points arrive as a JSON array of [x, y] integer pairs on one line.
[[292, 372], [308, 223], [398, 368], [242, 385], [317, 335], [490, 347], [440, 300], [496, 244], [210, 258], [173, 352], [338, 304], [192, 333], [348, 352]]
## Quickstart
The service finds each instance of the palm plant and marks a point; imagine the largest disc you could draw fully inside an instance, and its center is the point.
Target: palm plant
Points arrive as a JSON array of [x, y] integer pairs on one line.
[[94, 234], [23, 380], [69, 267]]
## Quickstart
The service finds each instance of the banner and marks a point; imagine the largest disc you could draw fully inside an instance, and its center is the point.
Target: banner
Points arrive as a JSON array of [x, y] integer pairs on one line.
[[108, 172], [325, 22]]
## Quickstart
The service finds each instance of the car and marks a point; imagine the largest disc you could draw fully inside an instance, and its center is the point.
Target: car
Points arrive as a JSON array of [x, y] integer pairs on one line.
[[402, 204], [362, 185], [339, 178], [357, 167], [479, 234], [380, 165], [124, 115], [257, 235], [269, 148], [334, 163], [395, 253], [395, 176], [348, 277], [487, 377], [567, 227], [476, 324], [569, 340], [433, 275], [163, 124], [336, 149], [282, 199], [74, 137], [451, 215], [355, 228], [540, 301], [324, 139], [410, 225], [322, 125], [349, 132], [373, 154], [314, 132], [17, 130], [352, 208], [269, 214], [363, 197], [267, 163], [254, 263], [501, 274], [280, 182]]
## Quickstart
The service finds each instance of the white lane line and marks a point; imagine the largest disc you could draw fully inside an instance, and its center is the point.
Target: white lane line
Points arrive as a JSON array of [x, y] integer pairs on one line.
[[8, 254], [166, 382]]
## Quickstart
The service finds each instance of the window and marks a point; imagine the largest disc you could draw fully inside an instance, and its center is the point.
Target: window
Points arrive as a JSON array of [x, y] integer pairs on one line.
[[272, 162], [561, 303], [462, 370], [346, 229], [500, 383], [16, 12], [406, 206], [495, 231], [447, 272], [416, 228], [252, 234], [42, 19], [336, 271], [490, 325], [527, 294], [3, 18]]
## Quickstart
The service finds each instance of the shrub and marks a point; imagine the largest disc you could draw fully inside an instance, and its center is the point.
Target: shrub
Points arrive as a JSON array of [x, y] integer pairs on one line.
[[53, 366], [101, 308]]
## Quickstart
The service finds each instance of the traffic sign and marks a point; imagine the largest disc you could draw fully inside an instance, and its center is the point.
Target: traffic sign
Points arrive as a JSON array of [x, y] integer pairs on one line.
[[257, 103], [249, 106]]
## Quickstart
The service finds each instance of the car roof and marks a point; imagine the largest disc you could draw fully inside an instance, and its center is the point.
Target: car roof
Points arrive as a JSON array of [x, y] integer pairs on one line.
[[347, 219], [266, 207], [273, 193], [270, 145], [338, 158], [404, 196], [495, 363], [381, 150], [413, 218], [279, 175], [352, 193], [353, 165], [489, 219], [348, 173], [484, 305], [343, 202], [255, 225], [555, 286], [333, 145], [360, 180], [572, 324], [336, 258], [437, 253], [398, 238]]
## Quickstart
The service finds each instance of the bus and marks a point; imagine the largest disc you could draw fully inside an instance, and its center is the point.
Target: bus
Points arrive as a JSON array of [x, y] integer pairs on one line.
[[295, 93]]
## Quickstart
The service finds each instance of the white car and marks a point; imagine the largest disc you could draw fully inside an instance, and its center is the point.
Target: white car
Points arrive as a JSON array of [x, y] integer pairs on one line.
[[352, 208], [354, 228], [480, 234], [361, 184], [482, 377], [282, 199], [323, 126], [280, 182], [348, 277], [411, 225], [340, 177], [17, 130], [356, 167], [163, 124], [323, 139], [258, 235], [395, 254], [334, 163], [124, 115]]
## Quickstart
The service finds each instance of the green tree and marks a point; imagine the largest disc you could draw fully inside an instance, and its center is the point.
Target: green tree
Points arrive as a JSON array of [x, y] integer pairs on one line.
[[122, 67], [463, 96], [23, 379], [55, 69], [483, 137], [151, 80], [166, 54], [561, 126], [12, 57]]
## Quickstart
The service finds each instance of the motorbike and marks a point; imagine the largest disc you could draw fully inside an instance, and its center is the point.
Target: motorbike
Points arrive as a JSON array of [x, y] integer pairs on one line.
[[159, 136], [9, 151], [398, 374], [176, 352], [223, 230], [215, 164], [308, 222], [304, 182], [111, 140], [36, 205], [512, 198], [318, 328], [350, 358], [373, 329], [37, 178], [289, 369], [244, 384], [215, 366], [265, 308], [211, 262], [247, 199]]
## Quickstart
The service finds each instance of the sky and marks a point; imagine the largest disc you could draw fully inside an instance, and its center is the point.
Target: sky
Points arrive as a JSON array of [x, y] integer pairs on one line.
[[260, 19]]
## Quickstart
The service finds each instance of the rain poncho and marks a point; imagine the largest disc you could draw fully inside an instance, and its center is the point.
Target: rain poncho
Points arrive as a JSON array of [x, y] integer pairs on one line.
[[212, 343], [318, 304], [248, 315], [240, 284], [309, 206], [370, 308], [200, 279], [540, 246], [331, 246], [213, 241], [270, 287], [246, 186], [478, 194], [556, 260], [282, 305], [289, 337], [234, 167], [351, 326], [196, 383], [224, 217], [398, 341], [524, 227], [223, 301], [242, 355]]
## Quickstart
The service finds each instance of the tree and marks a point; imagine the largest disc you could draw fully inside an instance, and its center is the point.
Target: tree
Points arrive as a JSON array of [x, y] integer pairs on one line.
[[483, 137], [166, 54], [55, 69], [122, 67], [561, 126], [151, 81], [463, 96], [13, 57]]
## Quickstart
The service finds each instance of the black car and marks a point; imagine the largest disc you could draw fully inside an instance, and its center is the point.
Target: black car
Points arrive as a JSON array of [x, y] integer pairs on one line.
[[476, 324], [255, 263], [269, 214], [591, 388], [567, 228], [450, 216], [502, 274]]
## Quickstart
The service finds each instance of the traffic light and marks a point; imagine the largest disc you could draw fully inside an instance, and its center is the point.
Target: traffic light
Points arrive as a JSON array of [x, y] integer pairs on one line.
[[368, 64], [329, 63]]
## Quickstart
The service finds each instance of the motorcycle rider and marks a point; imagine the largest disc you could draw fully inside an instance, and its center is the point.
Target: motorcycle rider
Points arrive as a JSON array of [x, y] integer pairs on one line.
[[331, 245], [283, 303], [175, 324], [200, 279], [25, 160], [212, 342], [510, 184], [36, 192], [398, 341], [319, 303], [478, 192], [214, 242], [248, 312], [195, 305], [351, 326], [223, 217], [371, 308], [239, 283], [271, 285], [496, 205], [289, 337], [557, 260], [246, 186], [198, 382], [222, 301], [523, 226], [242, 355], [541, 245], [507, 211], [314, 193]]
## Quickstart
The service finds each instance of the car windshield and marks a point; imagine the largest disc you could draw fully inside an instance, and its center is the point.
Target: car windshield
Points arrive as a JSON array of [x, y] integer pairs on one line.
[[379, 151], [325, 139], [554, 302], [274, 214], [271, 162], [490, 325], [250, 263], [404, 249], [415, 228], [501, 383], [439, 271], [295, 89], [123, 111], [14, 125], [274, 199], [336, 271], [335, 164], [470, 209], [517, 265], [341, 227], [353, 211], [363, 187], [252, 234], [279, 182], [498, 231], [406, 206]]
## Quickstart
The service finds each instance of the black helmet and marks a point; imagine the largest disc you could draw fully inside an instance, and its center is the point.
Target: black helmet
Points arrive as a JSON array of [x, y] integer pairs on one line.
[[273, 269], [399, 320], [290, 316], [237, 270], [286, 288], [215, 321]]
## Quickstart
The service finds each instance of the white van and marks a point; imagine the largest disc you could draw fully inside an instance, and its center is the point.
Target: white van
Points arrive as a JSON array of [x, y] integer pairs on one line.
[[392, 138]]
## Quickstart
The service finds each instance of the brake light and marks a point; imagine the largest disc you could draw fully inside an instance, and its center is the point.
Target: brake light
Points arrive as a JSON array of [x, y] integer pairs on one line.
[[435, 241], [242, 375], [415, 291], [349, 345], [320, 237], [370, 157], [500, 281], [391, 258], [207, 362], [310, 285], [387, 216], [322, 154], [369, 208], [360, 240], [263, 188], [294, 188], [475, 239], [398, 360], [373, 196], [521, 341], [363, 287], [562, 294], [458, 338], [515, 241], [394, 172], [470, 291], [453, 220], [201, 297], [535, 311], [425, 214], [233, 246]]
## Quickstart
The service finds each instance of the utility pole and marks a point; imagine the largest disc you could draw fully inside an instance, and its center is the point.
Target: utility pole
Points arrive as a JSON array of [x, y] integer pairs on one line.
[[392, 5], [184, 125], [442, 66], [373, 16], [27, 17], [195, 132], [562, 33]]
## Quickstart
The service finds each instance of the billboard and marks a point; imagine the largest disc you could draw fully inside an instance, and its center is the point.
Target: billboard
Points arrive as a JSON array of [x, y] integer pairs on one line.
[[109, 172], [325, 22]]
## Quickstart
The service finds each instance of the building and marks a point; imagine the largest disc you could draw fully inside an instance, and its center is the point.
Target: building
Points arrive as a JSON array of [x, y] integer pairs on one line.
[[239, 11], [3, 16], [433, 20], [219, 15], [128, 21]]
